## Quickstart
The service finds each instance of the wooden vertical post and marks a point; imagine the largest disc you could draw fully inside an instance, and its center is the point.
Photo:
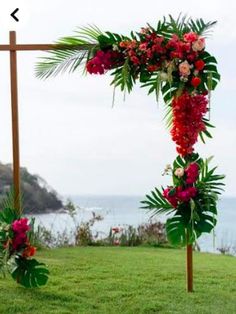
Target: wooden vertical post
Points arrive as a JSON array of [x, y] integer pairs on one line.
[[189, 268], [15, 123]]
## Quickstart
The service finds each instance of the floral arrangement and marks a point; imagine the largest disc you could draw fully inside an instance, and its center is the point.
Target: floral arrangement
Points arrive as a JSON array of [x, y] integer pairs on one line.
[[16, 251], [191, 199], [170, 58]]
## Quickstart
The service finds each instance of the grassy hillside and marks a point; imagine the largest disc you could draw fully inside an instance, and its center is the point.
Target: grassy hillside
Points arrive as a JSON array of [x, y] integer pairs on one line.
[[125, 280]]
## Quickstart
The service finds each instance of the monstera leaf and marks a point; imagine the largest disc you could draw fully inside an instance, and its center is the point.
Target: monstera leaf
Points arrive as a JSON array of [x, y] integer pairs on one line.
[[175, 229], [29, 272]]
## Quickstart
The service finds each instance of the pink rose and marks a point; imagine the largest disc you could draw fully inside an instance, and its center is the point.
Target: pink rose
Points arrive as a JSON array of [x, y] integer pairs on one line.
[[179, 172], [184, 68], [199, 44], [190, 37]]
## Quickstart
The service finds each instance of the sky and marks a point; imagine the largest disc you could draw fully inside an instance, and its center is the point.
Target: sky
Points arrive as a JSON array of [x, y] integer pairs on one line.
[[69, 132]]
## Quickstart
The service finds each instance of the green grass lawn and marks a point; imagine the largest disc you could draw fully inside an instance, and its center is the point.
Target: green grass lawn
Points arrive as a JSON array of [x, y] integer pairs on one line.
[[125, 280]]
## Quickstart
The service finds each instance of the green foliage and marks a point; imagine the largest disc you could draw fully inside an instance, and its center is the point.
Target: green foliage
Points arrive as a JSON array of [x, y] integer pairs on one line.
[[123, 77], [29, 272], [208, 181], [8, 215], [210, 76], [176, 230], [75, 51], [109, 39], [200, 27], [156, 203]]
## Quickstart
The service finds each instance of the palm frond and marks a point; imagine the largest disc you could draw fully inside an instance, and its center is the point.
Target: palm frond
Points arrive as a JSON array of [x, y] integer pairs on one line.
[[8, 201], [89, 33], [200, 27], [69, 53], [180, 25], [209, 182], [156, 203]]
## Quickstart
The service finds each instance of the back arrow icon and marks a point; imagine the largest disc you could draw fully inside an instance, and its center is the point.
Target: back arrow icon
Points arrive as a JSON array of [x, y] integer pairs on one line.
[[13, 14]]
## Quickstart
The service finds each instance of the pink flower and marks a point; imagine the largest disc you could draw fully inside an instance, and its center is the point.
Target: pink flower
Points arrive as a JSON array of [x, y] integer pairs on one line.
[[187, 194], [20, 228], [102, 61], [21, 225], [143, 46], [184, 68], [192, 173], [190, 37], [199, 44], [116, 229]]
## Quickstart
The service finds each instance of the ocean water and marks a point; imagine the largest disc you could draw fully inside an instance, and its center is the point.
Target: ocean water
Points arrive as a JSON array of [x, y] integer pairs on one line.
[[125, 210]]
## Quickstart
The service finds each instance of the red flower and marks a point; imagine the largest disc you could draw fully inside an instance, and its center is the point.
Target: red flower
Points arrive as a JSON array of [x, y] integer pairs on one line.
[[171, 197], [29, 251], [190, 37], [135, 60], [152, 67], [116, 229], [195, 81], [199, 64], [123, 44], [188, 112], [191, 57]]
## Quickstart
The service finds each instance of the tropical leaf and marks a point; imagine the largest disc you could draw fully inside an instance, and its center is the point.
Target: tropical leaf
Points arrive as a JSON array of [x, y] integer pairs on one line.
[[8, 215], [208, 181], [123, 77], [156, 203], [176, 230], [74, 52], [200, 27], [29, 272], [180, 25]]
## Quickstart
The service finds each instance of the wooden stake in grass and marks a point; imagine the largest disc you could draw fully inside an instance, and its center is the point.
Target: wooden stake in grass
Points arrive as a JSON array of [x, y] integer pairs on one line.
[[189, 265]]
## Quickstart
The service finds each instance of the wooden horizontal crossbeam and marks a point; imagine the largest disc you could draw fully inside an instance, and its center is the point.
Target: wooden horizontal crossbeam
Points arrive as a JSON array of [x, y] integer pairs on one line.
[[27, 47], [31, 47]]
